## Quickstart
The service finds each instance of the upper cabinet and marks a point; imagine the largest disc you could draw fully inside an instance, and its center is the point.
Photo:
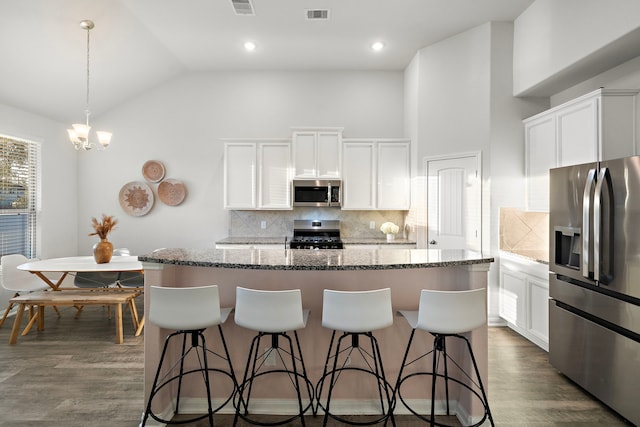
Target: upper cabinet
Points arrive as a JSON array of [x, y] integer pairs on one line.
[[256, 174], [597, 126], [376, 174], [317, 152], [540, 156]]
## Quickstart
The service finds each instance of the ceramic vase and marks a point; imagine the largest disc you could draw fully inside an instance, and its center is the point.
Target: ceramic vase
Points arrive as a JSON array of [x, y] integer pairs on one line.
[[390, 237], [103, 251]]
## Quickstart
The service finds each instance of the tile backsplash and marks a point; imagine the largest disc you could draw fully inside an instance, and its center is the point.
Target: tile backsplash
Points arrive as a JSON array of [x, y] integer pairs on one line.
[[280, 223], [525, 233]]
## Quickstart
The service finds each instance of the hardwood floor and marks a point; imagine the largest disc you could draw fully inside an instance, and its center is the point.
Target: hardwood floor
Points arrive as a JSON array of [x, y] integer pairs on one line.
[[73, 374]]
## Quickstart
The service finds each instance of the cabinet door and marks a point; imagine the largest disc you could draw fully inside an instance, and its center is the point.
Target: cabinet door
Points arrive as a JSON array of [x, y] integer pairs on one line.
[[240, 175], [539, 308], [273, 181], [394, 176], [513, 298], [358, 176], [540, 156], [328, 152], [304, 148], [577, 130]]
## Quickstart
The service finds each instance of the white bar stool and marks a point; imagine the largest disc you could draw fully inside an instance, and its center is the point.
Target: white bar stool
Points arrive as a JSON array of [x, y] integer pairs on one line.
[[446, 314], [189, 311], [273, 314], [357, 314]]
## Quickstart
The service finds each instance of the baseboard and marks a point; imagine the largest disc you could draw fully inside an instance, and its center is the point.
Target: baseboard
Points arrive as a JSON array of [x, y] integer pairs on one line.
[[338, 407]]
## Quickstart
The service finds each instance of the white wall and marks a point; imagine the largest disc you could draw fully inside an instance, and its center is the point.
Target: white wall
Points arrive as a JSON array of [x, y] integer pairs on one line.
[[58, 216], [553, 38], [465, 105], [181, 123]]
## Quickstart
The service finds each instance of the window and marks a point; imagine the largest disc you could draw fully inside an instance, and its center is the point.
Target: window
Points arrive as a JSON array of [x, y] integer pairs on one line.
[[19, 195]]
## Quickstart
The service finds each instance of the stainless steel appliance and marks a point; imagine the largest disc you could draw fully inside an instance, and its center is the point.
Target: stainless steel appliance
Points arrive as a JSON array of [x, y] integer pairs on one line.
[[594, 280], [316, 234], [316, 192]]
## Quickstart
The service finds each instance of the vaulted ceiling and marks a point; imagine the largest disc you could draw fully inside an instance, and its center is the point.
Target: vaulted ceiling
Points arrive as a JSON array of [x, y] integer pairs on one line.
[[138, 44]]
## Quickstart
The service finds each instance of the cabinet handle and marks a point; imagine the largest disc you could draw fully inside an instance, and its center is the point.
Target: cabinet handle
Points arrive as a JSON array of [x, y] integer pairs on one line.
[[433, 242]]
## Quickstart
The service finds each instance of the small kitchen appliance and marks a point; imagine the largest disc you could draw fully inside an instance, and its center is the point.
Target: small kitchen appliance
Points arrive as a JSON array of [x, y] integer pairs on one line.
[[316, 234], [316, 192]]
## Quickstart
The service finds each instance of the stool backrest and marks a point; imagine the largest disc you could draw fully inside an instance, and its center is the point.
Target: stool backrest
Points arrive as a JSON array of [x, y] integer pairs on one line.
[[357, 311], [187, 308], [452, 312], [269, 311]]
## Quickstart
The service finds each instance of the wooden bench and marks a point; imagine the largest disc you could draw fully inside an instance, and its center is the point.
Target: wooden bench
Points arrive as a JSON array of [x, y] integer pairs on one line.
[[78, 298]]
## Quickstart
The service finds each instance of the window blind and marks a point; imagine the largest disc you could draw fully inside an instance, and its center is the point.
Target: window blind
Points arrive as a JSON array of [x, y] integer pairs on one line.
[[19, 195]]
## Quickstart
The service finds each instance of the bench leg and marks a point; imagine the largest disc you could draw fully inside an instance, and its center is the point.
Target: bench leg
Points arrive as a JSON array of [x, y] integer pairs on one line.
[[33, 317], [140, 326], [41, 317], [134, 314], [119, 335], [17, 323]]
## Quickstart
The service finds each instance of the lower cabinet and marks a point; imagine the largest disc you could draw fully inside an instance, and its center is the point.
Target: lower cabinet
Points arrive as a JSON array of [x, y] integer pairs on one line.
[[524, 297]]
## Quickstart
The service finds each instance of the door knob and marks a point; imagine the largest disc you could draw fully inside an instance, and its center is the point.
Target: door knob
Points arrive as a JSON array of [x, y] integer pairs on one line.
[[433, 242]]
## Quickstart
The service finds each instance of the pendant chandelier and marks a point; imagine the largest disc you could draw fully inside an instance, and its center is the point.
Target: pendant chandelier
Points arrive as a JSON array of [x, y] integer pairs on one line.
[[79, 135]]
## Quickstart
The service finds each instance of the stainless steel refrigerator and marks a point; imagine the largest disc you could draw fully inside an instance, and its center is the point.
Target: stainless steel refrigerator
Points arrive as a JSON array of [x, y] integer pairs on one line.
[[594, 280]]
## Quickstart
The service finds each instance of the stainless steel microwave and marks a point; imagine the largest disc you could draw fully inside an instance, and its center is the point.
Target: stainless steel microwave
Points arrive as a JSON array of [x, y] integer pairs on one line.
[[317, 192]]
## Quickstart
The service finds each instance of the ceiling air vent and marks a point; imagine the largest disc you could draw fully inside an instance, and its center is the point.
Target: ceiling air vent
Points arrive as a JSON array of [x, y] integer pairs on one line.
[[243, 7], [317, 14]]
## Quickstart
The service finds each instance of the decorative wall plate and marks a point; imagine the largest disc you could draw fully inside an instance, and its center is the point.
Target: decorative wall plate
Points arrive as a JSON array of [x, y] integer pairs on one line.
[[171, 192], [153, 171], [136, 198]]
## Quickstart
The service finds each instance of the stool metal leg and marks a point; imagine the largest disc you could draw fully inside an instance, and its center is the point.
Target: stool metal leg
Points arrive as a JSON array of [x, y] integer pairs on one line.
[[440, 350], [475, 367], [377, 370], [252, 371], [199, 346]]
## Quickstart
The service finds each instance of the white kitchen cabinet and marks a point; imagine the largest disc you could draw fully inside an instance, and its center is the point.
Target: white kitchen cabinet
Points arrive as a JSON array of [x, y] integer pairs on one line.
[[317, 152], [240, 160], [524, 297], [394, 175], [358, 175], [540, 156], [257, 174], [597, 126], [376, 174], [274, 162]]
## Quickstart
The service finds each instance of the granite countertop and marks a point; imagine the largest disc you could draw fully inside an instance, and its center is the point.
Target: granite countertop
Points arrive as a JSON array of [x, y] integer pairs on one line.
[[257, 240], [540, 256], [309, 259]]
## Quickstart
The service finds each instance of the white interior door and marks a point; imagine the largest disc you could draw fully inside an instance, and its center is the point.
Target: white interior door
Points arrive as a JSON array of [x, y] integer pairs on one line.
[[454, 203]]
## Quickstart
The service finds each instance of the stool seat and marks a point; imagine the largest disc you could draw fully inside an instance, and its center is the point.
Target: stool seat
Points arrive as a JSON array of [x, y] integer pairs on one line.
[[354, 315], [274, 315], [188, 311], [446, 314]]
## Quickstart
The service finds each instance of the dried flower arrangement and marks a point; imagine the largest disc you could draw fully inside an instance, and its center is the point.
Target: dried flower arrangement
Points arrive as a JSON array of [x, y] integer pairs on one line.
[[104, 227]]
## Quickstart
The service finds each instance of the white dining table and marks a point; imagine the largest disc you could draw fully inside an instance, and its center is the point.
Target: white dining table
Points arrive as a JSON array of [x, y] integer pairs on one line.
[[83, 264], [78, 264]]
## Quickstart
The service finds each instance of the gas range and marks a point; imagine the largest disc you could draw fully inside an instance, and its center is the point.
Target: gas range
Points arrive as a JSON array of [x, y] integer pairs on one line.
[[316, 234]]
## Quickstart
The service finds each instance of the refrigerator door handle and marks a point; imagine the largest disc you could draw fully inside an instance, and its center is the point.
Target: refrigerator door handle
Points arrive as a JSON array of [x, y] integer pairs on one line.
[[586, 221], [603, 178]]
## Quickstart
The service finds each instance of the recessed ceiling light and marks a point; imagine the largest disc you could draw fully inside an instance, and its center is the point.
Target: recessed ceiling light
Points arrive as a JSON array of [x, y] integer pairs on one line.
[[377, 46], [249, 46]]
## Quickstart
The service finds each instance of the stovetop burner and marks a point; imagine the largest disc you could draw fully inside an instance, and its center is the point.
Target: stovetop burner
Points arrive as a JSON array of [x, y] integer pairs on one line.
[[316, 234]]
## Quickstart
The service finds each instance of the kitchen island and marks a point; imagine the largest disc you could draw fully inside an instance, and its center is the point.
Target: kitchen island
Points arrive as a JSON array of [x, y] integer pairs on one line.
[[405, 271]]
